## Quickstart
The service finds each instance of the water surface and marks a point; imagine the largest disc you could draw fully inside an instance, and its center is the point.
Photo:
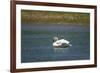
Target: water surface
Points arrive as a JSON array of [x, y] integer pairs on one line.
[[37, 40]]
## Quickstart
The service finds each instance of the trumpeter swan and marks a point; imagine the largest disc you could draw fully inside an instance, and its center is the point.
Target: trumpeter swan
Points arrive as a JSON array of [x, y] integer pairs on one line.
[[60, 43]]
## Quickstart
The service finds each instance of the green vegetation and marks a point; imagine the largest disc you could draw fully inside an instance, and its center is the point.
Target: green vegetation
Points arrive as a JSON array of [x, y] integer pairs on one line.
[[53, 17]]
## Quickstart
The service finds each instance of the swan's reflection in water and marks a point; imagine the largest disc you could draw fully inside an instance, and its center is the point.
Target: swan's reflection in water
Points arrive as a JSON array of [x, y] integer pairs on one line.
[[60, 49]]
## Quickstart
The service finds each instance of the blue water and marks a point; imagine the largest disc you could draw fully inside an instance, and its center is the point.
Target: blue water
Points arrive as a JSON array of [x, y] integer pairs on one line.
[[36, 43]]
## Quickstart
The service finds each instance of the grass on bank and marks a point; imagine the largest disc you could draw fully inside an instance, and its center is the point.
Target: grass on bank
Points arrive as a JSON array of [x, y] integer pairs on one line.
[[53, 17]]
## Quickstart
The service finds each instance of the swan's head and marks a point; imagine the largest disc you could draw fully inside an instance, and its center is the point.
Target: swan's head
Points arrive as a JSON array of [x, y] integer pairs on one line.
[[55, 39]]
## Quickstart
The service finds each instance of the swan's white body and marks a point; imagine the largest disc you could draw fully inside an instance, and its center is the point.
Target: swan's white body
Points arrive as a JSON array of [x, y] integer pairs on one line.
[[62, 43]]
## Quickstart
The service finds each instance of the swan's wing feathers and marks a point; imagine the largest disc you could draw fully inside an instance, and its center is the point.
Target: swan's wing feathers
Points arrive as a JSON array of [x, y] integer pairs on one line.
[[64, 41]]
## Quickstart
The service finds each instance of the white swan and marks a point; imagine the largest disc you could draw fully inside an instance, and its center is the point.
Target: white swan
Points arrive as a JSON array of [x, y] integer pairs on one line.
[[62, 43]]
